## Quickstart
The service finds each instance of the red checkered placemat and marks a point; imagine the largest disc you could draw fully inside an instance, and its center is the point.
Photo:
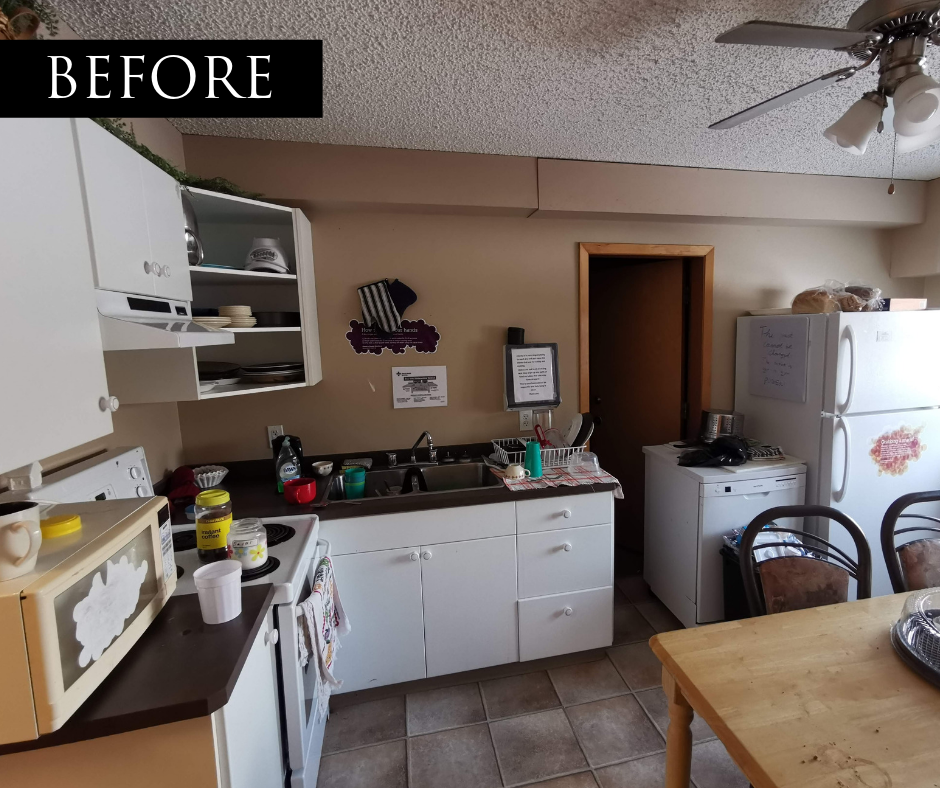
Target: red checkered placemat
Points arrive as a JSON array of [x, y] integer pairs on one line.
[[561, 477]]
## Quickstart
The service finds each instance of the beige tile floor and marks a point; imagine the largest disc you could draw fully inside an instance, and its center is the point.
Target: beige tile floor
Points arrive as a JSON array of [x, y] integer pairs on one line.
[[595, 720]]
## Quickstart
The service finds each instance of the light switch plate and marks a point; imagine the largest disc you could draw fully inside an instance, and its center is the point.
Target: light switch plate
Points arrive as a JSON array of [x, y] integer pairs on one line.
[[525, 420], [274, 432]]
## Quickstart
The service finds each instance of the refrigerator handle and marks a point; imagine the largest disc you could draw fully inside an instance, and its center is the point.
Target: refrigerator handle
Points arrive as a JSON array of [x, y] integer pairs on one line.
[[839, 494], [853, 348]]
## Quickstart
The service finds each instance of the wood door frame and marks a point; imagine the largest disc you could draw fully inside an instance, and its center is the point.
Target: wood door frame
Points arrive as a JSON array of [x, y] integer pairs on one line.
[[700, 316]]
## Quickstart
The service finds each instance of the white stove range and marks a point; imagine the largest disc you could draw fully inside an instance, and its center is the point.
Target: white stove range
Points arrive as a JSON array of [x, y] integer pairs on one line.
[[292, 546]]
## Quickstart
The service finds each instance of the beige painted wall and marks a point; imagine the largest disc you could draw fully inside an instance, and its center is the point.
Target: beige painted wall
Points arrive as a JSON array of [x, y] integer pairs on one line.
[[475, 275], [155, 427]]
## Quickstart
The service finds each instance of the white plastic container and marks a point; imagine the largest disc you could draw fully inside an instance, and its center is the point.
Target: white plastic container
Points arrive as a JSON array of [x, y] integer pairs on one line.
[[219, 587]]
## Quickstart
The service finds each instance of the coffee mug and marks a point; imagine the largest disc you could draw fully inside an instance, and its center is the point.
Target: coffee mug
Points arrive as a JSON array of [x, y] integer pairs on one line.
[[20, 538], [517, 472]]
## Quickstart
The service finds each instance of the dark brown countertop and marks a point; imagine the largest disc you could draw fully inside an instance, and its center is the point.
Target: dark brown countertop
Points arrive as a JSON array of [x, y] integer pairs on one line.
[[180, 668], [252, 487]]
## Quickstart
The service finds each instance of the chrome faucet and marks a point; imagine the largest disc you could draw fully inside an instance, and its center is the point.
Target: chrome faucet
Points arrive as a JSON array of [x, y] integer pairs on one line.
[[432, 452]]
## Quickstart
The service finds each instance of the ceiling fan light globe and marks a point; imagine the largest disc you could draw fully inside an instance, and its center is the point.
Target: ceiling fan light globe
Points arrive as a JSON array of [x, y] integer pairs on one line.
[[916, 105], [911, 144], [853, 130]]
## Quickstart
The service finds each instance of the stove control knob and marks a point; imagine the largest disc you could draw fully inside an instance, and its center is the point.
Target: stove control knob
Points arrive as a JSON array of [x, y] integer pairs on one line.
[[141, 491], [134, 472]]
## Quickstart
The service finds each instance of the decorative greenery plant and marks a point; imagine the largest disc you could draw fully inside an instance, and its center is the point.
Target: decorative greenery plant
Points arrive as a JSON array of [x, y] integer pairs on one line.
[[119, 129]]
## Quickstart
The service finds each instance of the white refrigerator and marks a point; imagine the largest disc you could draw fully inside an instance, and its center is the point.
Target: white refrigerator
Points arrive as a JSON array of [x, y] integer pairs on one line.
[[857, 395]]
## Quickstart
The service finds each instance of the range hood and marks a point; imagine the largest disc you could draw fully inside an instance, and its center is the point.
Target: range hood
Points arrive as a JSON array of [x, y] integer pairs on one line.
[[133, 322]]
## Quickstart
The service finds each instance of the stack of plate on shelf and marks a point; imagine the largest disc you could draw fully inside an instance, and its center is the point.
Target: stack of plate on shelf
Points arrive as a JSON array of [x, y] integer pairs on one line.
[[212, 322], [217, 373], [286, 372], [240, 316]]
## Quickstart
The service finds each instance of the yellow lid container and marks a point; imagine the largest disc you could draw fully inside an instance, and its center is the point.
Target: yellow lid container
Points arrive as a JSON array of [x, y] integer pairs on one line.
[[60, 525], [212, 498]]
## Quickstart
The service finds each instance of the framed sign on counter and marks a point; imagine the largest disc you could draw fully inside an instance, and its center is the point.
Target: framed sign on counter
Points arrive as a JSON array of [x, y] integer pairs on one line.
[[531, 377]]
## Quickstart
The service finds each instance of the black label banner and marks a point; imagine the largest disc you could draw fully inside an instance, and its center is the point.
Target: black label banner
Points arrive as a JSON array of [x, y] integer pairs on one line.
[[214, 79]]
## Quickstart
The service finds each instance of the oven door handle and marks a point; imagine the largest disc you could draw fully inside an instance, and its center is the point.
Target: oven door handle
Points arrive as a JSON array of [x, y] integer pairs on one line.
[[329, 547]]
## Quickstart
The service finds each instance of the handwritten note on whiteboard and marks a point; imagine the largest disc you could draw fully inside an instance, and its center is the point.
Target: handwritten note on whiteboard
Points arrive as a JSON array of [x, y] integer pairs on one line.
[[778, 358]]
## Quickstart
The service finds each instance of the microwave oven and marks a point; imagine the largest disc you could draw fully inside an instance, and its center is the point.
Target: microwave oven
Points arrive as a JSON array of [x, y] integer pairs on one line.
[[68, 623]]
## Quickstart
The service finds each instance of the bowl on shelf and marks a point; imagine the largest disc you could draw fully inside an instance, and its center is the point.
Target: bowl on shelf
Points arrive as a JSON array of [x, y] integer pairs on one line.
[[322, 467]]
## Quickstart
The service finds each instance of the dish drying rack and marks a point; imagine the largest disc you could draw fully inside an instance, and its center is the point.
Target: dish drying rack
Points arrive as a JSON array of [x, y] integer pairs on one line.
[[511, 451]]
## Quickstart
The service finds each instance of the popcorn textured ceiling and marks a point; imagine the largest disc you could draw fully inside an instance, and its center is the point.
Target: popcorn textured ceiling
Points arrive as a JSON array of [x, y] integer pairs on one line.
[[606, 80]]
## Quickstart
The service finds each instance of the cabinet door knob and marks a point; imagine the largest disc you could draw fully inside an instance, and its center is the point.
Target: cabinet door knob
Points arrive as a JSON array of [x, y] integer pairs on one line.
[[567, 546], [271, 638], [166, 271], [426, 555], [566, 514], [157, 269], [568, 611], [147, 267], [108, 404], [414, 556]]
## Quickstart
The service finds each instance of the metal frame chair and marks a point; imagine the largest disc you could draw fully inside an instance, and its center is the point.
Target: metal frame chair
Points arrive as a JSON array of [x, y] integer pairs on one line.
[[889, 531], [828, 553]]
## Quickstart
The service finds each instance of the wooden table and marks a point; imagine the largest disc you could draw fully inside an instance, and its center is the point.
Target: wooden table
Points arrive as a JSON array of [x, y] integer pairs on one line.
[[806, 699]]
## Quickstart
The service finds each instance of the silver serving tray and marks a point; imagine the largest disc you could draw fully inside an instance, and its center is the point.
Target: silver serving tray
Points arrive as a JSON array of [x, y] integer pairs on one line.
[[916, 635]]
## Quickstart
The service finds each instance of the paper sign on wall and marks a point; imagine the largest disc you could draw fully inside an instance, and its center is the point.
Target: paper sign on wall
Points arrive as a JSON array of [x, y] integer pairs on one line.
[[778, 350], [419, 387]]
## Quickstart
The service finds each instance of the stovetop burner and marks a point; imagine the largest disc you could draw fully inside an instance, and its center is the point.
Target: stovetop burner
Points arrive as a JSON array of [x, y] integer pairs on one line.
[[278, 533], [184, 540], [265, 569]]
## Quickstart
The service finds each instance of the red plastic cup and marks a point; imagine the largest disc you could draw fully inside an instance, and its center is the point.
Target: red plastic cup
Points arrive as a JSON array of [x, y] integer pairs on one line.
[[300, 490]]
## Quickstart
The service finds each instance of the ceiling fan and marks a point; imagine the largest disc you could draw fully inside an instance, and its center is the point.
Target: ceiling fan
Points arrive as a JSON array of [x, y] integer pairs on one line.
[[896, 34]]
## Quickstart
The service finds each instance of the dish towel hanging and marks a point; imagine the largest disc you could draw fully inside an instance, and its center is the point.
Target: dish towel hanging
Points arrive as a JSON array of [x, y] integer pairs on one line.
[[378, 308], [323, 622]]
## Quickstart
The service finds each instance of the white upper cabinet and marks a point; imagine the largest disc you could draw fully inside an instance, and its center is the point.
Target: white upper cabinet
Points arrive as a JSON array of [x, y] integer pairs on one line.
[[53, 363], [135, 218], [165, 222]]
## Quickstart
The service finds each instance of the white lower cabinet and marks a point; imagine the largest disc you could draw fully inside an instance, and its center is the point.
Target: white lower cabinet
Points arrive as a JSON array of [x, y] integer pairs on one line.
[[381, 594], [564, 623], [247, 728], [571, 559], [469, 604]]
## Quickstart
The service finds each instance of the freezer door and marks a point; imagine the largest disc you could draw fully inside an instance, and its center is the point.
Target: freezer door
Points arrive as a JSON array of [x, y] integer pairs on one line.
[[882, 361], [876, 459]]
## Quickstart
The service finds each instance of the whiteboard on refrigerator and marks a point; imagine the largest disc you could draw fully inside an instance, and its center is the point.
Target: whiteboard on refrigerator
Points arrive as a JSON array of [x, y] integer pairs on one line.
[[778, 351]]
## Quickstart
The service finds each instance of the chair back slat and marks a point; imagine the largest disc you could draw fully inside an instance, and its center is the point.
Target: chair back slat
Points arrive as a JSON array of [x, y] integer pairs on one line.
[[916, 564], [800, 582], [920, 563]]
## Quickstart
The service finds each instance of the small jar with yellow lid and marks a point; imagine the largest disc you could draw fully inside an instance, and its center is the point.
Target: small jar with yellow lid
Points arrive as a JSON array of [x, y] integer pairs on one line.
[[213, 520]]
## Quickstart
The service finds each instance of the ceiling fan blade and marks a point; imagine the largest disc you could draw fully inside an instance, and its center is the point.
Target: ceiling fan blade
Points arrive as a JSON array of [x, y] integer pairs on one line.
[[784, 98], [778, 34]]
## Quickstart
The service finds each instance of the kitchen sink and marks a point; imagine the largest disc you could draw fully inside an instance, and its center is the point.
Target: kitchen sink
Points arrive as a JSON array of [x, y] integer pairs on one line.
[[439, 478]]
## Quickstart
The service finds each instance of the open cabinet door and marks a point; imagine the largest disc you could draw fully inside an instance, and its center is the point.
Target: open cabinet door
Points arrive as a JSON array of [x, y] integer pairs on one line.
[[303, 244]]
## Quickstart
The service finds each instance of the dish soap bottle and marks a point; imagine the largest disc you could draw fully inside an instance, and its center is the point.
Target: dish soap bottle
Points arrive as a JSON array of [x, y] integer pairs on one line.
[[287, 466]]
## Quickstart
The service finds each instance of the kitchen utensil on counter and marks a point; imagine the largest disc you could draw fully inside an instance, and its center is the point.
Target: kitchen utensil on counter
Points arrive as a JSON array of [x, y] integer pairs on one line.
[[248, 543], [571, 432], [585, 431], [20, 538], [267, 255], [355, 482], [322, 467], [517, 472], [555, 439], [194, 250], [277, 319], [213, 520], [540, 434], [208, 476], [300, 490], [533, 459], [589, 462], [218, 586], [721, 423]]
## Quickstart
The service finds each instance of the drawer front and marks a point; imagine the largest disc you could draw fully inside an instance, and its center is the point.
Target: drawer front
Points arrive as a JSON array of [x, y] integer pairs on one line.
[[567, 511], [565, 623], [572, 559], [410, 529]]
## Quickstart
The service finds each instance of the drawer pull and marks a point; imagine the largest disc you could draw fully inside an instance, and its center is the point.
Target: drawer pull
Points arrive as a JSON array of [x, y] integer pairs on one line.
[[566, 514], [568, 611], [414, 556], [426, 555], [567, 547]]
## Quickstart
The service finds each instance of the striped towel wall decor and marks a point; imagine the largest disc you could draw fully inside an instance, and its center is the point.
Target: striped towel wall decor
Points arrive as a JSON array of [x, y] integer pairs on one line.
[[378, 309]]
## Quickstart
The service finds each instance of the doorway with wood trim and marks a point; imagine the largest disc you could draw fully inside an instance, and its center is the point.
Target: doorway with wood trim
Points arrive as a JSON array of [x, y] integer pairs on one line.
[[645, 347]]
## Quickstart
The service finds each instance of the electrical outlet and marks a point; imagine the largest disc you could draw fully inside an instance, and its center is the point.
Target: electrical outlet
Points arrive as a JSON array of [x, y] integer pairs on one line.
[[274, 432], [525, 419]]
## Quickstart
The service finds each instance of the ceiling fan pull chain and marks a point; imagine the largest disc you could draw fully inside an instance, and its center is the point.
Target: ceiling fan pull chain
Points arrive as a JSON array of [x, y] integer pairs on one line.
[[894, 157]]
